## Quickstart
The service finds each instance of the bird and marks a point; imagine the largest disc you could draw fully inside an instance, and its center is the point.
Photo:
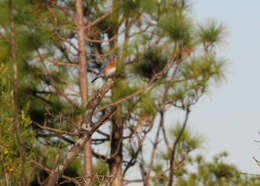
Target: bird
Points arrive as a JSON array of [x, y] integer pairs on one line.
[[108, 68]]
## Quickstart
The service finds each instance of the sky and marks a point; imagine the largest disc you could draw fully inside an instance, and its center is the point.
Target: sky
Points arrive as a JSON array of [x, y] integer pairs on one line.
[[229, 116]]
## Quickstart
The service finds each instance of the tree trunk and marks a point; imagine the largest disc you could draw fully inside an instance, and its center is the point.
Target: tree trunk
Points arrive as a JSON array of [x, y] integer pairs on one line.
[[15, 84], [75, 150], [115, 163], [84, 87], [88, 163]]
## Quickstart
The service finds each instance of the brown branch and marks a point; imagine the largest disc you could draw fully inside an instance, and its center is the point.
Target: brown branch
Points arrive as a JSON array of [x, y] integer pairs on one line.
[[134, 158], [126, 182], [73, 180], [67, 41], [156, 142], [55, 23], [15, 97], [99, 141], [57, 62], [66, 11], [164, 104], [100, 156], [142, 90], [54, 129], [101, 40], [60, 136], [164, 131], [257, 161], [75, 150], [53, 82], [118, 148], [250, 174], [3, 38], [142, 169], [114, 36], [173, 152], [161, 126], [99, 19]]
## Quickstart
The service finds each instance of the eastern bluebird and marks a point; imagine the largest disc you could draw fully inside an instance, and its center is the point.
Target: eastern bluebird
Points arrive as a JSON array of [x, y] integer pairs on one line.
[[108, 68]]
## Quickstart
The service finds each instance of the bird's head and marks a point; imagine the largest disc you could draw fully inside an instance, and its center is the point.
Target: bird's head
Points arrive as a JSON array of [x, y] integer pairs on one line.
[[112, 58]]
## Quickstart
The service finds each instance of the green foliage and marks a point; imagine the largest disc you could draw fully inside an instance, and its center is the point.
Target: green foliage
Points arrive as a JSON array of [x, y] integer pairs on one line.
[[136, 7], [146, 105], [178, 27], [4, 19], [195, 170], [75, 168], [211, 33], [122, 89], [5, 52], [10, 161], [161, 176], [203, 68], [216, 173], [100, 171], [188, 139], [151, 63], [188, 142], [196, 76]]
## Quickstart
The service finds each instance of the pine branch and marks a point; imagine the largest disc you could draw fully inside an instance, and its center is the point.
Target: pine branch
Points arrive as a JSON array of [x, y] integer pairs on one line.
[[99, 19], [75, 150], [142, 90]]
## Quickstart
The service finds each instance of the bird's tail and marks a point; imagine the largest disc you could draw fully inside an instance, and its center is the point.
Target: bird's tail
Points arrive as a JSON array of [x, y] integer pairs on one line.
[[94, 79]]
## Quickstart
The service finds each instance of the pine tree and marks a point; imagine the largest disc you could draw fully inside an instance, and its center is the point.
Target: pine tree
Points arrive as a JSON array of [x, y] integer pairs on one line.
[[164, 61]]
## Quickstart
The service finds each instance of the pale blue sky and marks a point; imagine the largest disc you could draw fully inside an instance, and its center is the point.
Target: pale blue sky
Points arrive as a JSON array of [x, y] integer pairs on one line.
[[229, 117]]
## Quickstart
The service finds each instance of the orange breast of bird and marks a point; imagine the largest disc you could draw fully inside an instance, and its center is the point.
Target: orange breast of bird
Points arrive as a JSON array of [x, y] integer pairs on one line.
[[110, 69]]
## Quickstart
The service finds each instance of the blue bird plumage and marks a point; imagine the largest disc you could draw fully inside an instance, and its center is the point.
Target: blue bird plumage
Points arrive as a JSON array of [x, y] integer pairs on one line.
[[102, 68], [108, 68]]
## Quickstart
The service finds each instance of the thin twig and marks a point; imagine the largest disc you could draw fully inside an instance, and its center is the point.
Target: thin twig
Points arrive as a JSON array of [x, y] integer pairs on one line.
[[99, 19], [54, 129]]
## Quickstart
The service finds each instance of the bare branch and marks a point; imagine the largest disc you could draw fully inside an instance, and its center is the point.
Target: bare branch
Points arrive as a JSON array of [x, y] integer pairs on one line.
[[70, 179], [257, 161], [99, 19], [57, 62], [75, 150], [54, 129], [173, 152], [54, 84], [66, 11]]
